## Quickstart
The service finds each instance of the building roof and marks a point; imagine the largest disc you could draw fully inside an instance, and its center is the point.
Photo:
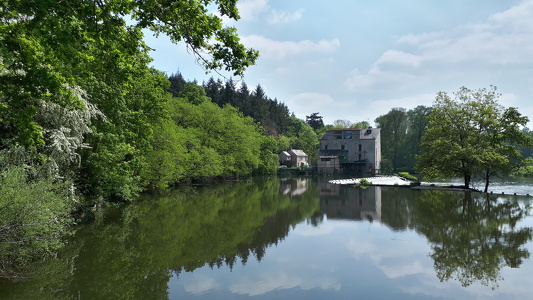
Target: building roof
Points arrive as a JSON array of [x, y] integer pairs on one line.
[[352, 129], [297, 152]]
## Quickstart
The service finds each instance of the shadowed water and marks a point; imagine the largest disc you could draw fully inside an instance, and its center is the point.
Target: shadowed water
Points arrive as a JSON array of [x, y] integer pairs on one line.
[[298, 238]]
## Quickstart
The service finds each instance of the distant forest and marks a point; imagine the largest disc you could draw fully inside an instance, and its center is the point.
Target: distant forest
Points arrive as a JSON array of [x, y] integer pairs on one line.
[[270, 113], [401, 129]]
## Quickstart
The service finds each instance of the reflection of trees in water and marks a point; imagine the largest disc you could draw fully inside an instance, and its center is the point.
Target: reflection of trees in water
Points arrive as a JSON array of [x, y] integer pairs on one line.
[[473, 236], [134, 255]]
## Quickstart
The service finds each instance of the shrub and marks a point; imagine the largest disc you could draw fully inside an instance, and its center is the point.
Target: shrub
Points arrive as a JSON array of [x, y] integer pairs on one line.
[[364, 182], [34, 216], [408, 176]]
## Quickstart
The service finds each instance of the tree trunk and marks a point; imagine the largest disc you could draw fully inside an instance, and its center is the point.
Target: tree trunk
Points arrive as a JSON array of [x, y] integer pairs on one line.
[[467, 178], [486, 181]]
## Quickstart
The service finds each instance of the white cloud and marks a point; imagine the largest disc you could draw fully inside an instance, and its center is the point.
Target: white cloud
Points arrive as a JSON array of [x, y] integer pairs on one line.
[[378, 79], [417, 39], [281, 49], [321, 62], [472, 53], [393, 57], [518, 17], [307, 103], [250, 10], [253, 10], [277, 16]]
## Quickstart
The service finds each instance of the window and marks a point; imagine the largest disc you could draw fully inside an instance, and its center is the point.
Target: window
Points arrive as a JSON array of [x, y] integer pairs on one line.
[[338, 137], [368, 131], [347, 137], [326, 147], [359, 147], [348, 132], [359, 156], [342, 147]]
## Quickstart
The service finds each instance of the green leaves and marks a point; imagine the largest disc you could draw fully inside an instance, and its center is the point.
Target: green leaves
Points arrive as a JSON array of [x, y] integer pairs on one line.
[[472, 135], [34, 215]]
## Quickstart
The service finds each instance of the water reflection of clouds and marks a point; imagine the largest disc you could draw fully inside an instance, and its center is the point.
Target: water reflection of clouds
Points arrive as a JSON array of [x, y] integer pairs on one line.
[[321, 230], [200, 283], [255, 284], [341, 258], [404, 255], [396, 255], [272, 281]]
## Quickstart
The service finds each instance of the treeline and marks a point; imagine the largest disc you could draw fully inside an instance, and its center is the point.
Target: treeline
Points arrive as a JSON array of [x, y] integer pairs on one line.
[[272, 115], [125, 139], [85, 120], [402, 133]]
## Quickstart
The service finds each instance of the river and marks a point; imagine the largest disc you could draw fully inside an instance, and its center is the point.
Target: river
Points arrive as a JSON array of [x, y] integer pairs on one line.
[[295, 238]]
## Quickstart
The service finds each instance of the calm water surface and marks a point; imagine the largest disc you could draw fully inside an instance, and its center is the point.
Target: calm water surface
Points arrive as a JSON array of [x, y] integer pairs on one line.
[[296, 239]]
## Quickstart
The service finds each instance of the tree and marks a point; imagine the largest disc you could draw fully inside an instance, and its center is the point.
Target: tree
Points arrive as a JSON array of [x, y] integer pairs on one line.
[[48, 47], [471, 135], [417, 124], [393, 133], [193, 93], [360, 125], [302, 137], [177, 83], [77, 92], [342, 123], [315, 121]]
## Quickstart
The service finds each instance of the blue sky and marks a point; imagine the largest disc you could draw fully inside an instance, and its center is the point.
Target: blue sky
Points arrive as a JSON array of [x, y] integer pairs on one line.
[[355, 60]]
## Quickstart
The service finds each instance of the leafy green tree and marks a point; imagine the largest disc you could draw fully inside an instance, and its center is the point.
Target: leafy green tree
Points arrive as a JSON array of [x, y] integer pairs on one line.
[[77, 93], [284, 143], [269, 156], [34, 216], [417, 124], [342, 123], [193, 93], [49, 48], [393, 133], [471, 135], [527, 151], [360, 125]]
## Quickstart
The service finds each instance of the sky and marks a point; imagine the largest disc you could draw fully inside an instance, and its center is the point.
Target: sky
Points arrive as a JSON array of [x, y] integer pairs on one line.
[[357, 59]]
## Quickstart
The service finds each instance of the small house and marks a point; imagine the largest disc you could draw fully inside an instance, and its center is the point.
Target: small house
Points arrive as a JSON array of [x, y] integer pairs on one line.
[[293, 158]]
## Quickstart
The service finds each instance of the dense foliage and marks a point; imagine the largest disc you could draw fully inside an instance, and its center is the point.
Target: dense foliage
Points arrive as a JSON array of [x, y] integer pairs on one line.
[[79, 104], [284, 131], [401, 133], [472, 135]]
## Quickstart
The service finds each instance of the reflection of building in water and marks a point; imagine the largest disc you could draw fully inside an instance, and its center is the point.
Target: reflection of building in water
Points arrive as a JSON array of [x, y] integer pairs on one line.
[[293, 186], [350, 203]]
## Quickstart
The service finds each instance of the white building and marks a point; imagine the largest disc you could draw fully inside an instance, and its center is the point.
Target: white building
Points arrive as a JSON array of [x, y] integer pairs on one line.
[[294, 158]]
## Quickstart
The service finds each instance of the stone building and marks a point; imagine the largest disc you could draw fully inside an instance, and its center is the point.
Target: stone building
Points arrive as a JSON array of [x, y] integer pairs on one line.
[[293, 158], [350, 151]]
